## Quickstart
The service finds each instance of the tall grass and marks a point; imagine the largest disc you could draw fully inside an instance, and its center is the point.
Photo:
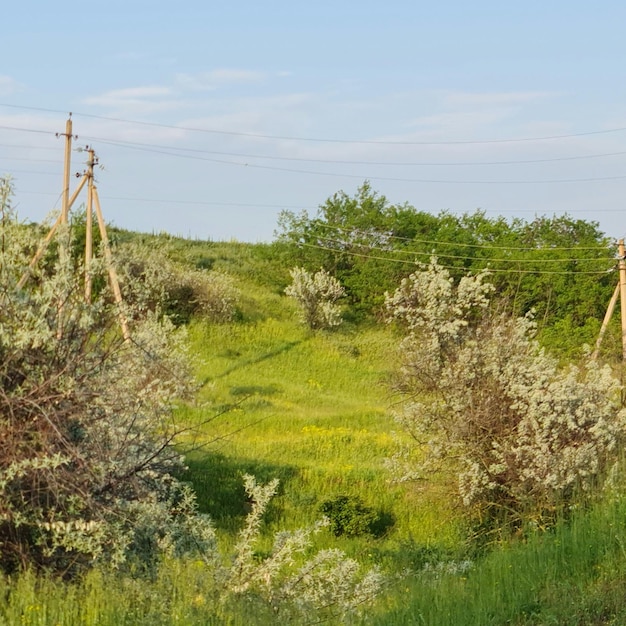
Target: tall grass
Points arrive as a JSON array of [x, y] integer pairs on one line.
[[574, 574], [314, 410]]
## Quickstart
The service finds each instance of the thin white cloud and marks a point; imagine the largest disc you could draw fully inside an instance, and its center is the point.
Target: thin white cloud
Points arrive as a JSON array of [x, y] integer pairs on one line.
[[455, 120], [9, 85], [135, 101], [140, 92], [280, 114], [209, 81], [462, 99], [462, 115], [131, 95]]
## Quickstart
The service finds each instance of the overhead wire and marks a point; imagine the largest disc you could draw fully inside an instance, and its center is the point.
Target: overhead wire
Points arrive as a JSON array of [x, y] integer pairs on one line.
[[27, 130], [348, 175], [177, 150], [11, 158], [393, 179], [447, 255], [467, 245], [34, 172], [177, 201], [196, 154], [269, 205], [324, 140], [180, 152], [27, 146], [486, 269], [531, 261]]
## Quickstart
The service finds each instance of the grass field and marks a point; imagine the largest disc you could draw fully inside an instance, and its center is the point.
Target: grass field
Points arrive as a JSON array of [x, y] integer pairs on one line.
[[316, 411], [312, 410]]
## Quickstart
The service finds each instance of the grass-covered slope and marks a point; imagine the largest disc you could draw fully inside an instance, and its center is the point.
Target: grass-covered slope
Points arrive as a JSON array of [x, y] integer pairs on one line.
[[316, 411], [311, 409]]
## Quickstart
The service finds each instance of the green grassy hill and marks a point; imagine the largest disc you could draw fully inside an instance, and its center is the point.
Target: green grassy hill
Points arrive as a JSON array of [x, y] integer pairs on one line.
[[313, 409], [316, 411]]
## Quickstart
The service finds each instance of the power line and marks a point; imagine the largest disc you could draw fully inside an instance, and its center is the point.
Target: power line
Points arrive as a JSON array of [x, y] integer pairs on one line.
[[165, 149], [157, 148], [27, 147], [177, 201], [275, 206], [27, 130], [359, 176], [457, 256], [390, 178], [33, 172], [11, 158], [484, 269], [383, 178], [323, 140], [467, 245]]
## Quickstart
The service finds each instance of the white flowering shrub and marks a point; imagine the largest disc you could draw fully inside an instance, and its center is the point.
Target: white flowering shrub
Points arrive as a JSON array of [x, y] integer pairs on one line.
[[524, 435], [215, 295], [87, 456], [317, 295], [288, 585], [86, 430], [153, 283]]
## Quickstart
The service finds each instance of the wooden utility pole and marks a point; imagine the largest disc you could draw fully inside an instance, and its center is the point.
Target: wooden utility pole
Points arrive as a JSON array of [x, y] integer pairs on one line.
[[115, 285], [622, 294], [605, 322], [66, 171], [89, 224], [44, 244], [67, 202]]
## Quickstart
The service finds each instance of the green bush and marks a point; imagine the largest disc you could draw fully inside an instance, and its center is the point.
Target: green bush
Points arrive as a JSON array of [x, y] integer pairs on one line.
[[151, 282], [348, 516]]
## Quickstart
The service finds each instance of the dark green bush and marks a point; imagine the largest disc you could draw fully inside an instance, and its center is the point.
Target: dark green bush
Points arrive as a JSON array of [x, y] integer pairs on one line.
[[349, 516]]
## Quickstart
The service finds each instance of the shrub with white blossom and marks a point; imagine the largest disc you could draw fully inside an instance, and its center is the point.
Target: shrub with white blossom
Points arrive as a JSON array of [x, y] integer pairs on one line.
[[524, 435], [88, 460], [288, 584], [317, 295], [153, 283], [86, 430]]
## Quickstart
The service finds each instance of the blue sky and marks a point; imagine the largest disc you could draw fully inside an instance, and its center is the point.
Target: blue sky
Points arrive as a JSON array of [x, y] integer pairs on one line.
[[209, 118]]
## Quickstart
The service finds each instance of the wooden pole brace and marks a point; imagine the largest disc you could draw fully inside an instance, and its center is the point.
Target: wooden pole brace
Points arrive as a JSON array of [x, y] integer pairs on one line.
[[89, 225], [44, 244], [115, 285], [622, 290], [605, 322]]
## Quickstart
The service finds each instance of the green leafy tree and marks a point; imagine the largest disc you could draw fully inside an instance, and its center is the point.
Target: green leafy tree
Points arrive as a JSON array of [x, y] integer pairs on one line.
[[559, 267]]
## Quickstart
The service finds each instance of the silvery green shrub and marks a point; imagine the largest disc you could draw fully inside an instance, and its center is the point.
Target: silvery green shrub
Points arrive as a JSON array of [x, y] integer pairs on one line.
[[524, 435], [153, 283], [87, 455], [316, 294], [290, 584], [86, 425]]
